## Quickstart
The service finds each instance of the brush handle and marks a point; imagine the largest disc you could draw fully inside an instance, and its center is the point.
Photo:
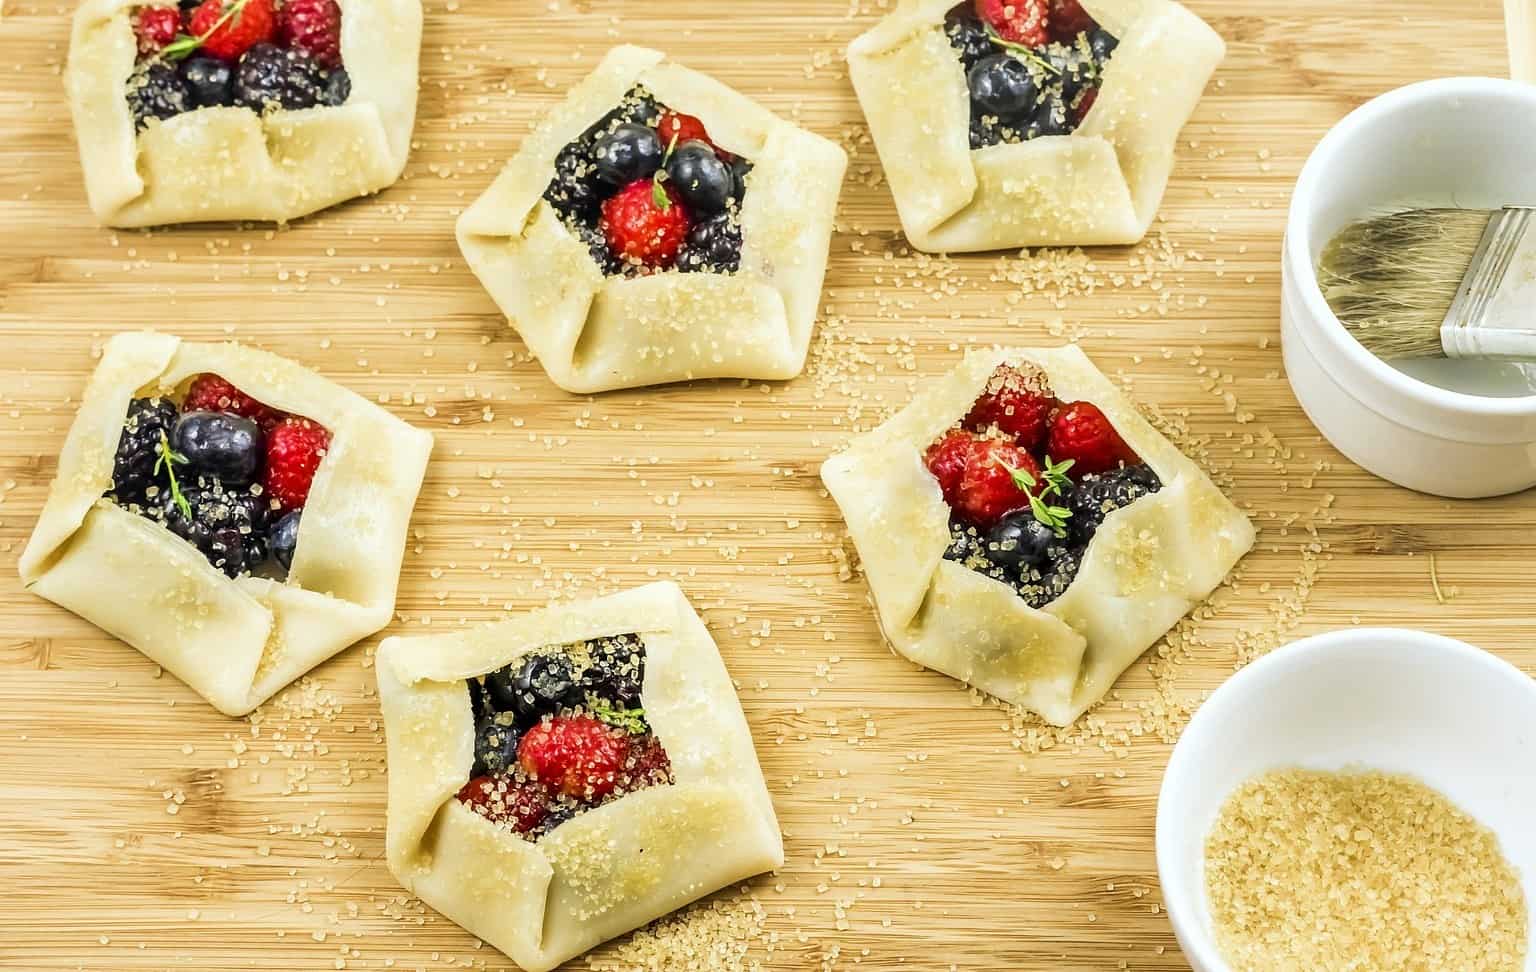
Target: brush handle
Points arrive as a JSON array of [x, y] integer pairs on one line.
[[1494, 313], [1520, 31]]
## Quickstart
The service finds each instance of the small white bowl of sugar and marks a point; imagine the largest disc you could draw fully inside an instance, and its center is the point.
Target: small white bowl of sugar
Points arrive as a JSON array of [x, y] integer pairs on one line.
[[1363, 799]]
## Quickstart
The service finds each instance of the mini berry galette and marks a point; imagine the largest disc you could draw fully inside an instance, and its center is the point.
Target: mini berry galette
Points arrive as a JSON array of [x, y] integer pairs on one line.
[[566, 776], [1025, 530], [1015, 123], [240, 109], [658, 227], [246, 517]]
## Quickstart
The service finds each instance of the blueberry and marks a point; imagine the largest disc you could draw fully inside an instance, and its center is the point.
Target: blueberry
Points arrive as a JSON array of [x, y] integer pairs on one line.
[[1050, 118], [227, 446], [704, 182], [740, 169], [338, 88], [713, 246], [967, 35], [1072, 70], [1020, 541], [283, 538], [210, 81], [1002, 87], [627, 153], [1102, 43], [538, 685], [496, 739], [617, 670]]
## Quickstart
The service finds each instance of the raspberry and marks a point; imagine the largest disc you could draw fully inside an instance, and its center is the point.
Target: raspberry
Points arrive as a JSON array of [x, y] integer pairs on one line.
[[676, 125], [642, 232], [156, 27], [1084, 435], [295, 447], [649, 764], [210, 393], [946, 460], [1068, 19], [313, 26], [252, 22], [1084, 105], [1017, 401], [523, 803], [988, 491], [576, 754], [1020, 21]]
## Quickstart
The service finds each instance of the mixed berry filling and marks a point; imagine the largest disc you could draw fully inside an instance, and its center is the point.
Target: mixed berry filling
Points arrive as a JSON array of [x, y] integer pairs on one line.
[[222, 471], [1029, 479], [1033, 67], [559, 732], [646, 190], [264, 55]]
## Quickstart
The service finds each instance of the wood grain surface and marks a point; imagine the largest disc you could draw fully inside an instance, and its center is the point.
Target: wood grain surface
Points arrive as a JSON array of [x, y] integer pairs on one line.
[[926, 828]]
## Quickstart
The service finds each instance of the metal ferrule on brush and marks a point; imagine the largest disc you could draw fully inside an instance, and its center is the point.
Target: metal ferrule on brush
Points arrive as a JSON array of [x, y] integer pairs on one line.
[[1494, 313]]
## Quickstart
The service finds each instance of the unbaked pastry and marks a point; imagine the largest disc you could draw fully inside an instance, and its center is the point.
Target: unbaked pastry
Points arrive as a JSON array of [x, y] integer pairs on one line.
[[594, 332], [1100, 185], [605, 871], [1148, 565], [231, 163], [235, 641]]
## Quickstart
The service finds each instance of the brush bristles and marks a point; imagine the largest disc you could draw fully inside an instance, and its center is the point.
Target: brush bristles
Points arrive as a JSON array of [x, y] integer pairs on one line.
[[1392, 279]]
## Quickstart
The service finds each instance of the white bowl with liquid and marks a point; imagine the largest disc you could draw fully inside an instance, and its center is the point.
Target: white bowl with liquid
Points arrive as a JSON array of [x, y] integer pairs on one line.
[[1460, 719], [1452, 428]]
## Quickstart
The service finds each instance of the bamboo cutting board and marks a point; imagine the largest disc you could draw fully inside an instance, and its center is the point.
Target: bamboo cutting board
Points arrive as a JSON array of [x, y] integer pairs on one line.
[[926, 828]]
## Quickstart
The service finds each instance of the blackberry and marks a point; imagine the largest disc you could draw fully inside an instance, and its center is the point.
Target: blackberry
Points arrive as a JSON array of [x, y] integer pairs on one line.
[[740, 169], [1096, 495], [617, 670], [228, 525], [338, 88], [1101, 44], [1050, 117], [964, 544], [713, 246], [1074, 69], [967, 35], [268, 78], [597, 244], [1065, 563], [573, 190], [133, 468], [157, 92]]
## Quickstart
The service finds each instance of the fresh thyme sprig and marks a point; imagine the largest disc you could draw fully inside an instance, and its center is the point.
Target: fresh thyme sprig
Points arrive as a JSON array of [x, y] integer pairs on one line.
[[658, 192], [631, 721], [169, 459], [1024, 53], [184, 44], [1055, 481]]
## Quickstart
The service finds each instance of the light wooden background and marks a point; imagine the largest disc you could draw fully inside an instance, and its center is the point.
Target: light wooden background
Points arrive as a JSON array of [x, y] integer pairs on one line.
[[926, 829]]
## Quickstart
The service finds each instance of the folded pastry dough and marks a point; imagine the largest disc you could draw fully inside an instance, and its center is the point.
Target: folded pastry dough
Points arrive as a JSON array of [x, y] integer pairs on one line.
[[231, 163], [1149, 563], [1099, 185], [237, 641], [605, 871], [594, 332]]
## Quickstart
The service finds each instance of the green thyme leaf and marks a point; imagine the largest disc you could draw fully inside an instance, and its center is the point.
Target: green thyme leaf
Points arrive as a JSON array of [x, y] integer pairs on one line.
[[1056, 479], [671, 146], [659, 194], [631, 721], [1025, 53], [169, 458], [1023, 480], [1054, 517]]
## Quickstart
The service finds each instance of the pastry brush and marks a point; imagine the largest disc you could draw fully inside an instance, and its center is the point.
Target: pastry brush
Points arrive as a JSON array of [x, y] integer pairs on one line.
[[1429, 283]]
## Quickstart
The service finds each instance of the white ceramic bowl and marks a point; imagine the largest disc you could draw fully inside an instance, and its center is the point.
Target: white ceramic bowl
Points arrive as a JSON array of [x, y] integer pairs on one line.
[[1460, 428], [1460, 719]]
